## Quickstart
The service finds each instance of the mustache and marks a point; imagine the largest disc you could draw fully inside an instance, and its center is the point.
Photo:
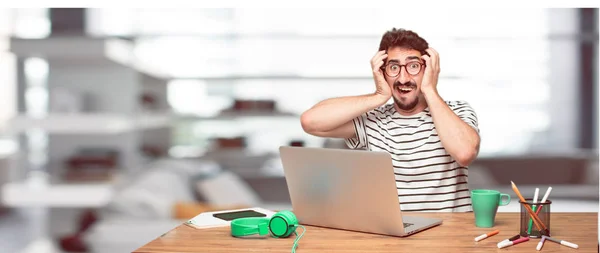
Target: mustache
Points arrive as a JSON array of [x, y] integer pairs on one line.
[[409, 84]]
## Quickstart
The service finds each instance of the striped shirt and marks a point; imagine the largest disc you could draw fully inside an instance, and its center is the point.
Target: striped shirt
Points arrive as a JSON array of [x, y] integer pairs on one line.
[[427, 177]]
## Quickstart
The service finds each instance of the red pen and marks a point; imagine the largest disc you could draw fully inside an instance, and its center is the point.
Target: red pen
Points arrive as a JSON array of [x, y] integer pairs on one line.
[[509, 239], [515, 242]]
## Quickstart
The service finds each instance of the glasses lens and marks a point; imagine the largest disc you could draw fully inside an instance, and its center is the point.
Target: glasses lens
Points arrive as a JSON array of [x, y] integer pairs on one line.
[[413, 68], [392, 69]]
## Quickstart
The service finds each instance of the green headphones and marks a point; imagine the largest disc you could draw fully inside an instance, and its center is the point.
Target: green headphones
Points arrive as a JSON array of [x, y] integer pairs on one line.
[[280, 225]]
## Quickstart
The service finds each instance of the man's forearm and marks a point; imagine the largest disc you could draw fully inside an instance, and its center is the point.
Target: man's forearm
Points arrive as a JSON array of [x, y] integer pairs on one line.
[[332, 113], [459, 139]]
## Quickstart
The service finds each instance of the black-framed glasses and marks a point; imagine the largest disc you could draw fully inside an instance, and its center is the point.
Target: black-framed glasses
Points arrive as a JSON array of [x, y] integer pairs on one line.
[[393, 69]]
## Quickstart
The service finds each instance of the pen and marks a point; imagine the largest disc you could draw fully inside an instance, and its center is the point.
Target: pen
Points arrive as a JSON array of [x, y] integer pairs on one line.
[[535, 199], [562, 242], [541, 243], [515, 242], [544, 199], [509, 239], [481, 237], [535, 196]]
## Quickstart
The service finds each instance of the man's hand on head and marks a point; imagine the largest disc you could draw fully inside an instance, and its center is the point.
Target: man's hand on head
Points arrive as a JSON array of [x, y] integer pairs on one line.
[[432, 71], [382, 88], [334, 117]]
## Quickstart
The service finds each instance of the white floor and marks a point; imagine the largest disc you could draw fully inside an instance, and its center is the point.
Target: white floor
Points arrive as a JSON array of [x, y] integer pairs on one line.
[[24, 230]]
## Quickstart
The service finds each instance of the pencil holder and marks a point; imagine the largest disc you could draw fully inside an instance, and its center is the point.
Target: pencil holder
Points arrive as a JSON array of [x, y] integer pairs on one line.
[[528, 226]]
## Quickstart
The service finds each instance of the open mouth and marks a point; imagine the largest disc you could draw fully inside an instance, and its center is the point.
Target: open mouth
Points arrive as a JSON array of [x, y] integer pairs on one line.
[[404, 90]]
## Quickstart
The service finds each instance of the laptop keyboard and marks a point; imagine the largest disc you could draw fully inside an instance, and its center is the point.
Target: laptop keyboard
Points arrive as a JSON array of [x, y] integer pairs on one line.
[[408, 224]]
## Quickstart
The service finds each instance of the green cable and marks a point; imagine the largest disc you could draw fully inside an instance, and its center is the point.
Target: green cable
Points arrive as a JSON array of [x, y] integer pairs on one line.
[[298, 238]]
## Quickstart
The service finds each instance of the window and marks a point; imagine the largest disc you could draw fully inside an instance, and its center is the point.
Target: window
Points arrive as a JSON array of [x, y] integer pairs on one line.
[[30, 23], [506, 68]]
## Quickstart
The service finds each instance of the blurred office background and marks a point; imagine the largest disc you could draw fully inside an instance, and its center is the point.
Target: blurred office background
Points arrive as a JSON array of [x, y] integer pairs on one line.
[[118, 124]]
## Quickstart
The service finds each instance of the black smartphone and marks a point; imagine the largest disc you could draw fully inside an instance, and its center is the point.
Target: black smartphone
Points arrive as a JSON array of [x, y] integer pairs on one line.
[[228, 216]]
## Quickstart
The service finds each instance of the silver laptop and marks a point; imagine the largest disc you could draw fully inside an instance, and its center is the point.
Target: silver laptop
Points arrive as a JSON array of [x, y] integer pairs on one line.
[[347, 189]]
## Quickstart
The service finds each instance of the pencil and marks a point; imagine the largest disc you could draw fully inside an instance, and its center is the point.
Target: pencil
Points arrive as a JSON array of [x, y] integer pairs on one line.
[[538, 223], [527, 207]]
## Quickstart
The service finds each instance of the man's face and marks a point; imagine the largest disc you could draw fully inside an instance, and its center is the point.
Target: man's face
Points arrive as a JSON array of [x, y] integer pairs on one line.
[[404, 72]]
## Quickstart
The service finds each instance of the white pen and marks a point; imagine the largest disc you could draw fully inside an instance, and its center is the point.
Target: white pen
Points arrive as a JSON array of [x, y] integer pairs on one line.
[[508, 240], [535, 195], [481, 237], [562, 242], [547, 194], [541, 243], [515, 242]]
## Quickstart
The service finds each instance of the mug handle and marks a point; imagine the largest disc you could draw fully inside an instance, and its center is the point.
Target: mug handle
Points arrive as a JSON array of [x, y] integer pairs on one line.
[[507, 201]]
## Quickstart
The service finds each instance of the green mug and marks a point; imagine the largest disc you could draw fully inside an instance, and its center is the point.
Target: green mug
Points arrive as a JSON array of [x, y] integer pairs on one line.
[[485, 205]]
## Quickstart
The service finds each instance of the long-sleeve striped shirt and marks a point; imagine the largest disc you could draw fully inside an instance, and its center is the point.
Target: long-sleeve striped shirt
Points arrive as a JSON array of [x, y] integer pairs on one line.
[[427, 177]]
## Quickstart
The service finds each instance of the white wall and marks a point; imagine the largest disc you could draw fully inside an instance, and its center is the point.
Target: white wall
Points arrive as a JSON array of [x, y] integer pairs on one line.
[[8, 84], [564, 81]]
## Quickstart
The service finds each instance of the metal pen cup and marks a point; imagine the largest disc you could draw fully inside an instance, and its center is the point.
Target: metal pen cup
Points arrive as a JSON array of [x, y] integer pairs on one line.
[[528, 227]]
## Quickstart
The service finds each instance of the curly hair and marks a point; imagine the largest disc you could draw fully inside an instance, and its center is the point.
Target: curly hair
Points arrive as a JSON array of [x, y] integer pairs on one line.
[[404, 39]]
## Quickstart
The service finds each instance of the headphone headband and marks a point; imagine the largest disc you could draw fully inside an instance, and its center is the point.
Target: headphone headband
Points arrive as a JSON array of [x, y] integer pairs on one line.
[[249, 226]]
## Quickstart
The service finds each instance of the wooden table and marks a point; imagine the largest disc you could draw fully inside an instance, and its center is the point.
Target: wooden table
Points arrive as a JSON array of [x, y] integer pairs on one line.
[[456, 234]]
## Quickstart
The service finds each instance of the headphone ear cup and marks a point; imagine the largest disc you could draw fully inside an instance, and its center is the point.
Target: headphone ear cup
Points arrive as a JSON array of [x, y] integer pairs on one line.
[[291, 217], [283, 224]]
